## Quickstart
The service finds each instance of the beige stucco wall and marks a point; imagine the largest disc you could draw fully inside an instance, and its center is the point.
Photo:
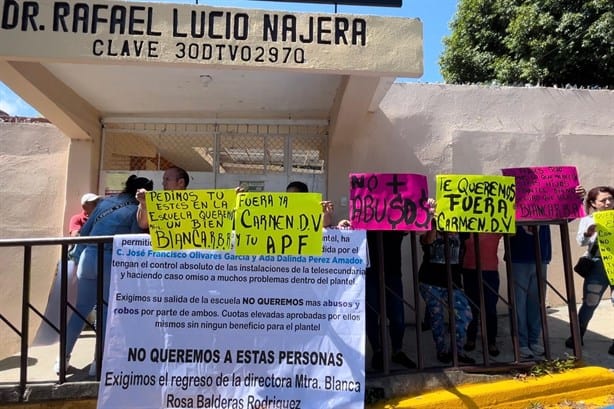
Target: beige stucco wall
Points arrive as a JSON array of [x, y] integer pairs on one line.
[[82, 170], [436, 129], [33, 159]]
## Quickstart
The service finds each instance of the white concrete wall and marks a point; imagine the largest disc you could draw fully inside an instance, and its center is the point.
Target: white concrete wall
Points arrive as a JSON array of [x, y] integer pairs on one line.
[[437, 129]]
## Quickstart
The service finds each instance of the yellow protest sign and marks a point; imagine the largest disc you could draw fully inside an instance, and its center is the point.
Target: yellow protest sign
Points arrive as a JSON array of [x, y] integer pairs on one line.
[[605, 236], [278, 223], [191, 219], [476, 203]]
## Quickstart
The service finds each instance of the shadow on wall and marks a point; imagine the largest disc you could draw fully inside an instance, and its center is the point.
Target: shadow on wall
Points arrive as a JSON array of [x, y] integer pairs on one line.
[[499, 150], [386, 147]]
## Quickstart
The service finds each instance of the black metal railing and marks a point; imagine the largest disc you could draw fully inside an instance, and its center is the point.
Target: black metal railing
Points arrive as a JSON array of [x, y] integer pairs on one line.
[[412, 303], [27, 307]]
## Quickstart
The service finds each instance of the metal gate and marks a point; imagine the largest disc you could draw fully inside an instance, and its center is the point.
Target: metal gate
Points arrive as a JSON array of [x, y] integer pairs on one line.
[[259, 156]]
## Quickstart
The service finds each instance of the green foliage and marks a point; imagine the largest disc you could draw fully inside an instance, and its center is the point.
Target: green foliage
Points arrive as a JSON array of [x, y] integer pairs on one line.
[[549, 367], [553, 366], [540, 42]]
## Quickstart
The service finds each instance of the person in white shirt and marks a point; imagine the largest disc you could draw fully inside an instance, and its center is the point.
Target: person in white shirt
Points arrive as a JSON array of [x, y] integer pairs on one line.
[[598, 198]]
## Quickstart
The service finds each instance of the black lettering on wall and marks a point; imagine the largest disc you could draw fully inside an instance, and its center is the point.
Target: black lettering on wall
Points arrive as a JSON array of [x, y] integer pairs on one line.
[[135, 21], [61, 10], [11, 16], [288, 28], [97, 18], [324, 30], [341, 26], [118, 20], [176, 25], [270, 27], [30, 11], [80, 15], [359, 32], [241, 26], [212, 18]]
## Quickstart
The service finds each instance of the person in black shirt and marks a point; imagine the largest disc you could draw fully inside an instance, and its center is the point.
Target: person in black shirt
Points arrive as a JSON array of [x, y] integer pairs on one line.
[[395, 308]]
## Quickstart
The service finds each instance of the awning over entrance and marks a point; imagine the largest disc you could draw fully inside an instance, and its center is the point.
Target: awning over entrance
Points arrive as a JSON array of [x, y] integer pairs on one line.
[[81, 63]]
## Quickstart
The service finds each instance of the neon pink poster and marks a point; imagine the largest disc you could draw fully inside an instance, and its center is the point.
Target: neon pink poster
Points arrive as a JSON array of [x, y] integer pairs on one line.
[[389, 201], [546, 193]]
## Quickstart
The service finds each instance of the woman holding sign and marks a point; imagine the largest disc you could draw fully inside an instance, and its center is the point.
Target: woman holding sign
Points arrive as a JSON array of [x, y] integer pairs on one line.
[[113, 215], [434, 289], [599, 198]]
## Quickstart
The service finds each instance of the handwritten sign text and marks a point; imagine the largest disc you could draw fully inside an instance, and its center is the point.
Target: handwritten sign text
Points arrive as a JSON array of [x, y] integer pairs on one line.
[[475, 203], [389, 201]]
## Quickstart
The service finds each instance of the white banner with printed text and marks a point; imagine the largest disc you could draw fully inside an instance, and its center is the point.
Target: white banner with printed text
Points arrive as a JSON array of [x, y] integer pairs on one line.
[[210, 329]]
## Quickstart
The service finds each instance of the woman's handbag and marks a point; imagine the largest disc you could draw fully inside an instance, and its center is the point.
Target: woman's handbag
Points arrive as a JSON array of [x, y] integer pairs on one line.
[[584, 266]]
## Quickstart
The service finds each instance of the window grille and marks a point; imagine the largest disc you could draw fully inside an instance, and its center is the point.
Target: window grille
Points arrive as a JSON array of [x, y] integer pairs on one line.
[[293, 152]]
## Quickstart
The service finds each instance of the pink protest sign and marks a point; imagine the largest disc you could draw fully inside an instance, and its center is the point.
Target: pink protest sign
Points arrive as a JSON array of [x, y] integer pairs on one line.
[[546, 193], [389, 201]]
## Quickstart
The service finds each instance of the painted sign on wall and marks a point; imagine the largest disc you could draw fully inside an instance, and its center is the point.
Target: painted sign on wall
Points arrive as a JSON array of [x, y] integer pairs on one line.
[[90, 31]]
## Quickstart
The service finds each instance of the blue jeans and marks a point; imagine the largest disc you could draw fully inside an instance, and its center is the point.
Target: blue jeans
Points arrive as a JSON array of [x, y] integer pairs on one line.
[[490, 284], [395, 310], [436, 299], [86, 295], [593, 288], [527, 302]]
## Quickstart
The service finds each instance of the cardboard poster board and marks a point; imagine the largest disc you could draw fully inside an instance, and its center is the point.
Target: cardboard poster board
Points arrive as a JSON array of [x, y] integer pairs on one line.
[[389, 201], [213, 329], [605, 236], [476, 203], [279, 223], [546, 193], [191, 219]]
